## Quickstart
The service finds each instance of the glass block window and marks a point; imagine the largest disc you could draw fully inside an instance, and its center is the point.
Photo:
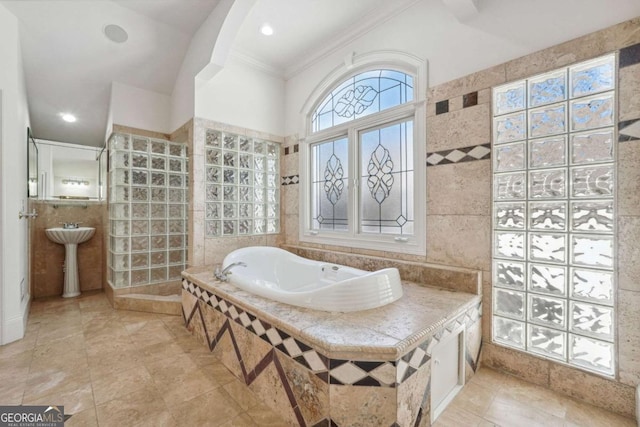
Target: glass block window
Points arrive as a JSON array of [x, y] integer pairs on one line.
[[553, 204], [148, 185], [242, 177], [363, 94]]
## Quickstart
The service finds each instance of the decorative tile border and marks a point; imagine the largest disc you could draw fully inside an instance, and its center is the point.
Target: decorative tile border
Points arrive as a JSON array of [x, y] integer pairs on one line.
[[459, 155], [291, 179], [442, 107], [468, 100], [629, 130], [291, 149], [629, 56]]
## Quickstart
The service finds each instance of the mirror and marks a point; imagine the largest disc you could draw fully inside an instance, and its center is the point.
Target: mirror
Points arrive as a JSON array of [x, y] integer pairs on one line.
[[32, 166], [71, 171]]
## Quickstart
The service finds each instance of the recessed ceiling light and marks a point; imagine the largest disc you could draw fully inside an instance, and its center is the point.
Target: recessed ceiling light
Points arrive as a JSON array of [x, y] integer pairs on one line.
[[266, 29], [116, 33], [69, 118]]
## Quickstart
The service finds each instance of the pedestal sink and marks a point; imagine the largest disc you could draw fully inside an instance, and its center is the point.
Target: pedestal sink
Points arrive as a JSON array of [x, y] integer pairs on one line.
[[70, 238]]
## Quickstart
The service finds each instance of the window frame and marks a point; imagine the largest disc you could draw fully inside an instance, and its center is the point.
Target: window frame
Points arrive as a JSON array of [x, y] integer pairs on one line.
[[414, 111]]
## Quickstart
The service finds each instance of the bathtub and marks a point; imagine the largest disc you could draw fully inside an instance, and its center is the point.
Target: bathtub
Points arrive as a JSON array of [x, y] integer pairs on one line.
[[282, 276]]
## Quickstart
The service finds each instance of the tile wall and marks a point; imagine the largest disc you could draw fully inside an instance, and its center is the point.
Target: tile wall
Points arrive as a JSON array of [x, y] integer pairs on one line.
[[459, 203], [47, 258]]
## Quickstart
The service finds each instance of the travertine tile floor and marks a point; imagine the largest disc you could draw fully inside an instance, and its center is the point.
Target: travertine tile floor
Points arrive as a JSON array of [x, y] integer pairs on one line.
[[122, 368]]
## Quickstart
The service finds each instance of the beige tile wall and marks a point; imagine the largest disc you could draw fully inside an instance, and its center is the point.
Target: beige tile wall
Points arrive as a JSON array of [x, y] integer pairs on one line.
[[47, 258], [459, 218]]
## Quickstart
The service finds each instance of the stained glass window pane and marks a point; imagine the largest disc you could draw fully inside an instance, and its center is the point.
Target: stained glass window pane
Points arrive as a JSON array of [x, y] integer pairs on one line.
[[363, 94], [330, 185], [386, 180]]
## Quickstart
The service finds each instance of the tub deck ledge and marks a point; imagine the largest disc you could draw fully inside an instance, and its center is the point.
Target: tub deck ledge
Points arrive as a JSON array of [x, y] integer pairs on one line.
[[384, 333]]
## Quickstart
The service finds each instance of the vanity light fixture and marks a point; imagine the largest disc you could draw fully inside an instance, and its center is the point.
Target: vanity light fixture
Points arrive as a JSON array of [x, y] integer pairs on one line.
[[266, 29], [75, 181], [69, 118]]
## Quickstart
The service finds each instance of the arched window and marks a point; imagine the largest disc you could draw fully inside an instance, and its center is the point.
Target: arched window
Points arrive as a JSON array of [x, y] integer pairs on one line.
[[363, 94], [363, 168]]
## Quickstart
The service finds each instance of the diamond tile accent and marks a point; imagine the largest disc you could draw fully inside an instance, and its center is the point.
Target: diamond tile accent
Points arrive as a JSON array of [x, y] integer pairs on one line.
[[385, 373], [290, 180], [314, 361], [434, 158], [233, 312], [274, 337], [244, 319], [258, 328], [479, 152], [347, 373], [459, 155], [417, 358], [292, 347]]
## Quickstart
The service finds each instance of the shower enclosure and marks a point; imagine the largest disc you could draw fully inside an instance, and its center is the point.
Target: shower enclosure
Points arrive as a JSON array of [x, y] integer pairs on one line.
[[148, 184]]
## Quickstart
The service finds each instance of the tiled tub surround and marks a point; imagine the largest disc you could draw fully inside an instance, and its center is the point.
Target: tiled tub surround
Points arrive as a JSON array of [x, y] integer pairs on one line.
[[327, 368]]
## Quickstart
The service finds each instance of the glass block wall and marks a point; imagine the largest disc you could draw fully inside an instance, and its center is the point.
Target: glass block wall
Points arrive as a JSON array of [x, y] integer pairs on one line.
[[242, 185], [148, 184], [554, 215]]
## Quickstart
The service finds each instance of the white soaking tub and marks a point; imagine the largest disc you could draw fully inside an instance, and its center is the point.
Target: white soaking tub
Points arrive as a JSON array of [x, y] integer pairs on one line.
[[282, 276]]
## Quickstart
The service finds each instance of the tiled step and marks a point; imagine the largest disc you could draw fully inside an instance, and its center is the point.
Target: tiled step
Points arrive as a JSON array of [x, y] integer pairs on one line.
[[165, 304]]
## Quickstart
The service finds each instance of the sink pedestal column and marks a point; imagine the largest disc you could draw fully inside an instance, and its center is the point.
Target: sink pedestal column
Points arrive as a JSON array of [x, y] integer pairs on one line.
[[71, 282]]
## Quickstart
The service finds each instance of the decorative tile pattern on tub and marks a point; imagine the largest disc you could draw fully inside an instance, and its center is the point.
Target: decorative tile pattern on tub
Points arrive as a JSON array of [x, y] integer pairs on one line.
[[333, 371], [459, 155], [290, 346]]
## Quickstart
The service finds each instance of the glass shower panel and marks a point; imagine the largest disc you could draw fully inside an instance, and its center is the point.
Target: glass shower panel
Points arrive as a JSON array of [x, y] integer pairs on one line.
[[148, 215]]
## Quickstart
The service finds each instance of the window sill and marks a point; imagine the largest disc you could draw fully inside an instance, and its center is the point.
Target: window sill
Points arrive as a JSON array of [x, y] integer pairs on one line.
[[409, 247]]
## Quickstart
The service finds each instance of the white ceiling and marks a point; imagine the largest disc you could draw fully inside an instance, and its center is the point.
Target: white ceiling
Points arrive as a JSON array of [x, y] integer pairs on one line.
[[69, 64], [305, 28]]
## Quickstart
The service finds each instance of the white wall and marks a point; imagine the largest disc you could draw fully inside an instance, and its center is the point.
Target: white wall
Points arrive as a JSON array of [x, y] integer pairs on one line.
[[140, 108], [13, 178], [461, 48], [197, 57], [243, 96]]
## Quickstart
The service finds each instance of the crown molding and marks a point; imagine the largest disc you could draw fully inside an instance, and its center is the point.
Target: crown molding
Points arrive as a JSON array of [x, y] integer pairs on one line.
[[250, 61], [389, 10]]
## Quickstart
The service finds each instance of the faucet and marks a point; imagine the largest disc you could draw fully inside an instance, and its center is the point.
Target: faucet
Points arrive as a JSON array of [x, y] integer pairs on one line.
[[223, 275], [70, 225]]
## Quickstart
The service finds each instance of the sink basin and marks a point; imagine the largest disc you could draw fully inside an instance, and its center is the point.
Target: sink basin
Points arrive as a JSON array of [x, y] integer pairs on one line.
[[70, 235], [70, 238]]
